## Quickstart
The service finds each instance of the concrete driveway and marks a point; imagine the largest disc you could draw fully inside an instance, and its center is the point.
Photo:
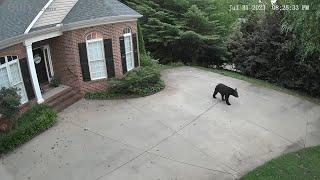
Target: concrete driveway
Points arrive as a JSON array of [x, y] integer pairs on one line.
[[178, 134]]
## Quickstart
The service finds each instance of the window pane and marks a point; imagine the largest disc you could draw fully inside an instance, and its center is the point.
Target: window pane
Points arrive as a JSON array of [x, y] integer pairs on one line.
[[129, 60], [15, 74], [95, 51], [127, 42], [4, 79], [98, 69], [2, 60], [21, 92], [9, 58]]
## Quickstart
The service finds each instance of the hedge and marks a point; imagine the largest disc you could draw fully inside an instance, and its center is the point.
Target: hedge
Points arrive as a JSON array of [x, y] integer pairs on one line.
[[141, 82], [31, 123]]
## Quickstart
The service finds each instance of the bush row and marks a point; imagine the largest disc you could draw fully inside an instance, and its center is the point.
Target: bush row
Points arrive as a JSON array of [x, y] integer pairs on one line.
[[141, 82]]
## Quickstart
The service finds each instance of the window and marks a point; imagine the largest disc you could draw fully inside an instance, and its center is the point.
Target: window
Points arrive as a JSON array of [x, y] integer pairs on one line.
[[96, 57], [10, 76], [128, 48], [127, 30]]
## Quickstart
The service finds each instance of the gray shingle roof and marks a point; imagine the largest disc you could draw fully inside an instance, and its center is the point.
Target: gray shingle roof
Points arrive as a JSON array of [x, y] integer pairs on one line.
[[92, 9], [16, 15]]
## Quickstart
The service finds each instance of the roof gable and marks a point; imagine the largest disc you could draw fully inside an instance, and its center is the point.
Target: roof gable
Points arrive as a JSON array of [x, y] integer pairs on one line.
[[16, 15], [55, 13], [94, 9]]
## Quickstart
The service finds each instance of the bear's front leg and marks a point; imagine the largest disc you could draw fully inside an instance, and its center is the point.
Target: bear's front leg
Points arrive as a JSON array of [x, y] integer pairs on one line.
[[215, 93], [227, 100]]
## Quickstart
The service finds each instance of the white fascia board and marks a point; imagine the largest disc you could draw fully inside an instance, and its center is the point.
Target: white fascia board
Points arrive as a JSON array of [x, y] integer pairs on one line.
[[98, 22], [42, 37], [37, 17]]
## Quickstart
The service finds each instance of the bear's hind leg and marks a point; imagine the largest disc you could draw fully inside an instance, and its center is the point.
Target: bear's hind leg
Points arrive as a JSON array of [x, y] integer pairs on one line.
[[223, 97]]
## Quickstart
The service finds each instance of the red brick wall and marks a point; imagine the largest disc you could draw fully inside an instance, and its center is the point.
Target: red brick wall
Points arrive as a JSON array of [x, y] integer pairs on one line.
[[65, 54], [66, 60], [16, 50]]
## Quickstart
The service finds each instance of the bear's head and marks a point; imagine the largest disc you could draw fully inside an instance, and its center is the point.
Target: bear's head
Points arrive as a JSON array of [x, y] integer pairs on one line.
[[235, 93]]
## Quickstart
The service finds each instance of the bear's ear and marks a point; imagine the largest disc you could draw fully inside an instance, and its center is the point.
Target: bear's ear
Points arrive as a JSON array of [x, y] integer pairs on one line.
[[236, 89]]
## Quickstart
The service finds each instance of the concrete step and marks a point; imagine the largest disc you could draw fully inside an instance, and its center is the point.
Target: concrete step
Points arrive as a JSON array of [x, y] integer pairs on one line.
[[64, 99], [65, 104]]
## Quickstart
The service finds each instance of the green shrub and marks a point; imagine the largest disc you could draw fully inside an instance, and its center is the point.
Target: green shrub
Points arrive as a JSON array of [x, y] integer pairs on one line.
[[9, 102], [55, 82], [34, 121], [140, 82]]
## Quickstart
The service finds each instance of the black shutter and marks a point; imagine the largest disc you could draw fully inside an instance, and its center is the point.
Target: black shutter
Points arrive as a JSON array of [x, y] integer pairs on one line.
[[135, 50], [26, 78], [84, 62], [108, 52], [123, 55]]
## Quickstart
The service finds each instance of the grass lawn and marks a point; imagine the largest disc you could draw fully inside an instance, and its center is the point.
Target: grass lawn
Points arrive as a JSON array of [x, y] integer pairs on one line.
[[262, 83], [304, 164]]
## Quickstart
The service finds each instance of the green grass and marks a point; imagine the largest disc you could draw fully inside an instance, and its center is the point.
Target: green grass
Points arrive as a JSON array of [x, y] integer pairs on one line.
[[262, 83], [36, 120], [304, 165]]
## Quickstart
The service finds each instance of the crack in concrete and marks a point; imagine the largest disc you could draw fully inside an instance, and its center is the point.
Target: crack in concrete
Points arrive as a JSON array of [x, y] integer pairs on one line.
[[194, 165], [209, 155], [147, 151], [101, 135], [307, 124], [272, 132]]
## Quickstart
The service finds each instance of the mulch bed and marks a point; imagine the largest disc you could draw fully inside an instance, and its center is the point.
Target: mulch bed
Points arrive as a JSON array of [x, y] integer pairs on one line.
[[5, 125]]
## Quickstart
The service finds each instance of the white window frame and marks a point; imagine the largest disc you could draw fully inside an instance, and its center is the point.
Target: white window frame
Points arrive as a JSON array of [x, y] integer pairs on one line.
[[103, 54], [130, 52], [7, 65]]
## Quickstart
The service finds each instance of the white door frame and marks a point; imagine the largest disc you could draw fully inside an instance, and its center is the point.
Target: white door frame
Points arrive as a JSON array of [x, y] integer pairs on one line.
[[50, 68], [132, 54]]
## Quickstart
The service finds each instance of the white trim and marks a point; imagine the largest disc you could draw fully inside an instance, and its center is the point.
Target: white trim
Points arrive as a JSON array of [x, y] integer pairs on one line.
[[98, 22], [104, 58], [50, 59], [37, 17], [29, 41], [33, 74]]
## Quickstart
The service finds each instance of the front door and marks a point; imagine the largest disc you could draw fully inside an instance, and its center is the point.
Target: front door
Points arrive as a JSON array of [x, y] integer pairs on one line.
[[40, 64]]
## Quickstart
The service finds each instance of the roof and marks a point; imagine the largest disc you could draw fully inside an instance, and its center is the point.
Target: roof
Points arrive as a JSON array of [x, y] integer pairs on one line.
[[93, 9], [17, 15]]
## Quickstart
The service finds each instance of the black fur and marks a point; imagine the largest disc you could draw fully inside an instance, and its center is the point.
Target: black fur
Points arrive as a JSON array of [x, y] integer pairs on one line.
[[225, 92]]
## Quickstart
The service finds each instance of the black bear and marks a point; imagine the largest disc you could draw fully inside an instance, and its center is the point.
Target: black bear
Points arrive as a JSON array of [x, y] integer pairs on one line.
[[225, 92]]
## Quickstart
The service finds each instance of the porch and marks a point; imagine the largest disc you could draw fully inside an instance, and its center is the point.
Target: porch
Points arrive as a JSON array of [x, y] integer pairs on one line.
[[43, 68]]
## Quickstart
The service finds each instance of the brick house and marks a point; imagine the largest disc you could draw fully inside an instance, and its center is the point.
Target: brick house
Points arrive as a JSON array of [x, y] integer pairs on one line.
[[83, 43]]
